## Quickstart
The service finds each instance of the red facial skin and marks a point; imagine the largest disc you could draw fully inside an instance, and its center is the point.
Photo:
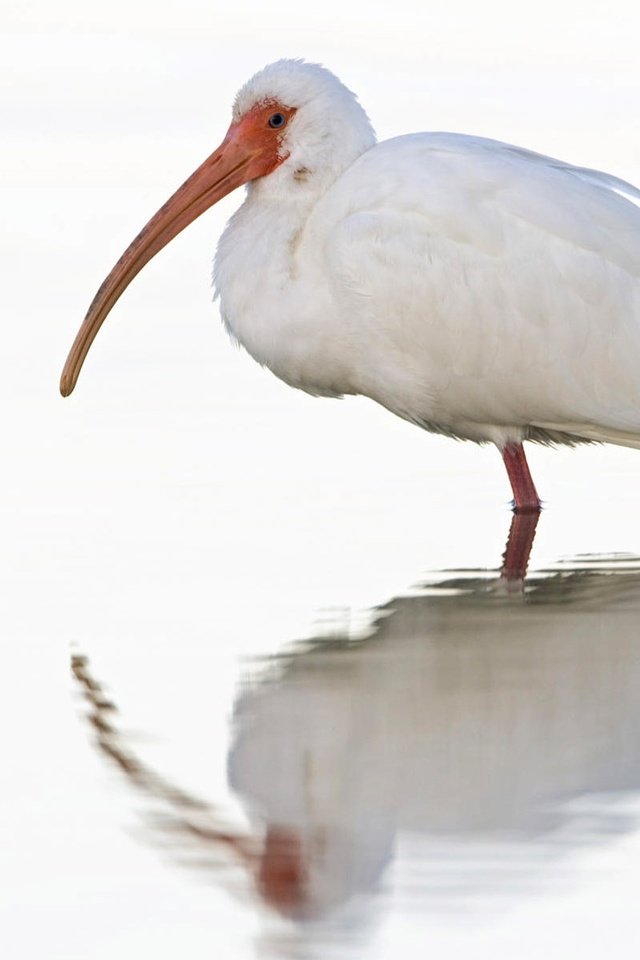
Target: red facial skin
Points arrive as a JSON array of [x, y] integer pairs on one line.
[[282, 876], [251, 149]]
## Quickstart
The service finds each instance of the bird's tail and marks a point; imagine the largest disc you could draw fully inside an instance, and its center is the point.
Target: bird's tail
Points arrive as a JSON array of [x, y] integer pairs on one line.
[[595, 433]]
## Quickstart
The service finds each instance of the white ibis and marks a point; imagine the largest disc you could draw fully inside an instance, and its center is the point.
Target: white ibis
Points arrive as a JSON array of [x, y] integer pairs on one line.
[[471, 287]]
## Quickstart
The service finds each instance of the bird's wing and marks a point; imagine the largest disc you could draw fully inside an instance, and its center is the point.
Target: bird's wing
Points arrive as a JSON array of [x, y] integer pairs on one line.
[[604, 181], [467, 187], [494, 281]]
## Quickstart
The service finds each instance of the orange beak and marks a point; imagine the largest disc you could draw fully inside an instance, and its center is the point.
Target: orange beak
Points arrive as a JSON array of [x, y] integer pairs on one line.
[[237, 160]]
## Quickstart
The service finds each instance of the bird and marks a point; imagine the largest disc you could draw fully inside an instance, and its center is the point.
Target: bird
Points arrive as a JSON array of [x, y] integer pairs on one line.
[[474, 288]]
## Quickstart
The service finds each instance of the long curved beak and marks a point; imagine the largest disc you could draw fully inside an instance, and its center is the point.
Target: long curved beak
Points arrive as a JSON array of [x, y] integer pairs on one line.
[[227, 168]]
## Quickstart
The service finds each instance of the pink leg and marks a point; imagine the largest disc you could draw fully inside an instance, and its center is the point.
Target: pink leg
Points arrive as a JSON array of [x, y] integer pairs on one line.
[[516, 555], [525, 496]]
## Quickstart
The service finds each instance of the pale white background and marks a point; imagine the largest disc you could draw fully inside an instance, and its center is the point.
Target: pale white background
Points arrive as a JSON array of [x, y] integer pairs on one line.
[[183, 507]]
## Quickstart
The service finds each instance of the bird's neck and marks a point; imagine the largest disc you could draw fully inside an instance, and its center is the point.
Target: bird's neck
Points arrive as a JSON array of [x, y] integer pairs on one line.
[[264, 278], [268, 272]]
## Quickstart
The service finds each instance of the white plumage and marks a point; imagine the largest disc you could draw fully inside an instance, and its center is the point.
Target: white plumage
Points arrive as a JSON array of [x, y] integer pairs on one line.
[[472, 287]]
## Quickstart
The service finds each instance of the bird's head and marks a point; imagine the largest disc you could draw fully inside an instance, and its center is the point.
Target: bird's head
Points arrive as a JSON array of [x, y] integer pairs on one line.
[[293, 123]]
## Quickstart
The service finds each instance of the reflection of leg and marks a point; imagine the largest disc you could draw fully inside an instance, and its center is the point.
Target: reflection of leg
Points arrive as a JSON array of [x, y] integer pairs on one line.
[[516, 555], [525, 496]]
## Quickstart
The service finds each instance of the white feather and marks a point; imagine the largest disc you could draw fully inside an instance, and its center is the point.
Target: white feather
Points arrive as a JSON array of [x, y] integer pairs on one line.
[[472, 287]]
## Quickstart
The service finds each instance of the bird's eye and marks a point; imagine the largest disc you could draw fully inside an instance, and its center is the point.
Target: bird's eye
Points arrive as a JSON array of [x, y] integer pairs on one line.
[[277, 120]]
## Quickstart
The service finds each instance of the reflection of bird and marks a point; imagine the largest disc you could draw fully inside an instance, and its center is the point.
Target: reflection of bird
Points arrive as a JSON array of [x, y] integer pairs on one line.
[[471, 287], [474, 727], [488, 729]]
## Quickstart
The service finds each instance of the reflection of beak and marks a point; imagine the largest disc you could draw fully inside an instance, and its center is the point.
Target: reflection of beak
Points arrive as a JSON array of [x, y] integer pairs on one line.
[[227, 168]]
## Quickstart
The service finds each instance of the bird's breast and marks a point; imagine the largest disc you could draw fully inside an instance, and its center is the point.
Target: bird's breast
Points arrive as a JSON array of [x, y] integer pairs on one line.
[[274, 303]]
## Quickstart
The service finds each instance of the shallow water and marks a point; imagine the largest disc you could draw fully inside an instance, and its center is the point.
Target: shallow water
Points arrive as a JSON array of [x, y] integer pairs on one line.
[[469, 757]]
